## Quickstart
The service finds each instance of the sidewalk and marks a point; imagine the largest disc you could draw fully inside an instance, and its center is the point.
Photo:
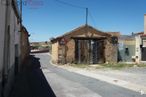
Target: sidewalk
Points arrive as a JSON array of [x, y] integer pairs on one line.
[[31, 82], [120, 78]]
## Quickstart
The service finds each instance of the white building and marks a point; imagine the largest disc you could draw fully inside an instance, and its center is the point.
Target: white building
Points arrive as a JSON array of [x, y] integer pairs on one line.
[[9, 44], [141, 44]]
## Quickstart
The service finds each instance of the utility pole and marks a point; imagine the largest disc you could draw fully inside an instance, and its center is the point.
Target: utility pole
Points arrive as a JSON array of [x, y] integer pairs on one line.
[[89, 41], [86, 16]]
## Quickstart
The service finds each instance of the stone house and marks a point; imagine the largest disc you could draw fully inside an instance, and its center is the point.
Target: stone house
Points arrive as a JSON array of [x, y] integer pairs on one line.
[[86, 45], [25, 46]]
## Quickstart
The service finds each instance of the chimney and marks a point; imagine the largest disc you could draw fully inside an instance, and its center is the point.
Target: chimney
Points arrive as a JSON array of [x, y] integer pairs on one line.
[[144, 23]]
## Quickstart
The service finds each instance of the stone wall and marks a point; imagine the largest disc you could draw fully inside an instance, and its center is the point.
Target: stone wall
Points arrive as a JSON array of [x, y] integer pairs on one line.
[[110, 51], [54, 52], [67, 51], [70, 51], [25, 48]]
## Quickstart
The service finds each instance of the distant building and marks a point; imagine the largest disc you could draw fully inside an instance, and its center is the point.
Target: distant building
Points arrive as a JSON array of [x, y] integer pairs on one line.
[[87, 45], [126, 48], [39, 44], [143, 47], [40, 47], [132, 48], [140, 47]]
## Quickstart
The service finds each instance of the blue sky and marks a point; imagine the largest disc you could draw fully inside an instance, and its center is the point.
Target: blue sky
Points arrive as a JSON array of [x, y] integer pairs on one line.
[[49, 18]]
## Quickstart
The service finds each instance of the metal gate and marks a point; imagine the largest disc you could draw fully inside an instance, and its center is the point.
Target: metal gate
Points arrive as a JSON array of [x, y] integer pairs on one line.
[[144, 54]]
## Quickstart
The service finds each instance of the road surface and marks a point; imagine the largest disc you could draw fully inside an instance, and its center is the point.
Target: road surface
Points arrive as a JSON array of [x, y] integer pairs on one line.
[[69, 84]]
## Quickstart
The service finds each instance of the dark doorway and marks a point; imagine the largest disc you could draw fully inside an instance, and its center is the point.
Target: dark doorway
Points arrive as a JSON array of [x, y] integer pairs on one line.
[[89, 51], [16, 58], [144, 54], [81, 51], [98, 52]]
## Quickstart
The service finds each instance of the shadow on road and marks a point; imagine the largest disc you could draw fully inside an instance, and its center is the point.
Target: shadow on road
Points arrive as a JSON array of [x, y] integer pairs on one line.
[[31, 82]]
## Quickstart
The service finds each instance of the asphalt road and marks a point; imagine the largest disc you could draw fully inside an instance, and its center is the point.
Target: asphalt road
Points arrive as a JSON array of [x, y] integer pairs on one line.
[[69, 84]]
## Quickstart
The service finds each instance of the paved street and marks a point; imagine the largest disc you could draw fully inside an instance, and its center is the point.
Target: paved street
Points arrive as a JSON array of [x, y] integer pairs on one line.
[[69, 84]]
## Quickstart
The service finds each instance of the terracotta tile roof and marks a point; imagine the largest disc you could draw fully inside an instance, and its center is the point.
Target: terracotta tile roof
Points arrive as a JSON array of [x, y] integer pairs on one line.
[[84, 26], [127, 37], [117, 34], [139, 33]]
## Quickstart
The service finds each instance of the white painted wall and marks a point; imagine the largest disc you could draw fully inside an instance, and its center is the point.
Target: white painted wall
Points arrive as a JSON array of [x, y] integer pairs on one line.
[[14, 38], [138, 49], [144, 23], [2, 29], [17, 36]]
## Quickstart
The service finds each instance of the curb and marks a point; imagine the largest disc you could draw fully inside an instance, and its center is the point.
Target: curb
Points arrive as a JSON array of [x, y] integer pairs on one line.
[[128, 85]]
